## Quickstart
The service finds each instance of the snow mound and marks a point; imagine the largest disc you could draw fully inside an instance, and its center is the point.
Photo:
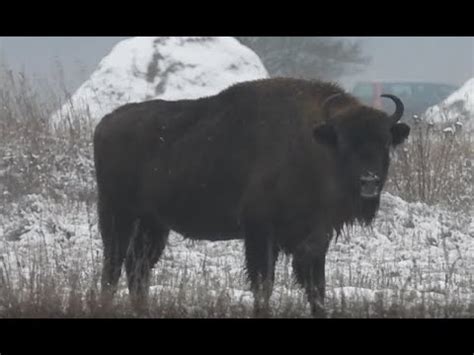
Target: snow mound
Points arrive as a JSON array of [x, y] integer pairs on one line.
[[457, 108], [169, 68]]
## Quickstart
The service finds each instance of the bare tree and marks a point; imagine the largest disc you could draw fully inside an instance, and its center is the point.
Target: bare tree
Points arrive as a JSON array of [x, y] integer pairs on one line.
[[326, 58]]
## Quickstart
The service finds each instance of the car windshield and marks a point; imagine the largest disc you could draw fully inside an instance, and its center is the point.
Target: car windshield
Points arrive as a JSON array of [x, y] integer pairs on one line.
[[403, 91]]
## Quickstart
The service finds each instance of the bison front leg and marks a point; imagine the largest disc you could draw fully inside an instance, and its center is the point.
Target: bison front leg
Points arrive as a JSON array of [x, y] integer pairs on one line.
[[309, 262], [261, 254]]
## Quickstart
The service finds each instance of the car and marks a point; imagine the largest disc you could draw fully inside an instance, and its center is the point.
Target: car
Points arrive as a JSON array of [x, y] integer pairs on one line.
[[417, 96]]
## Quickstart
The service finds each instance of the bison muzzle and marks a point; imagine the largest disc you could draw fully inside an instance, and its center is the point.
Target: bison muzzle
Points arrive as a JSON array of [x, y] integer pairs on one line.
[[281, 163]]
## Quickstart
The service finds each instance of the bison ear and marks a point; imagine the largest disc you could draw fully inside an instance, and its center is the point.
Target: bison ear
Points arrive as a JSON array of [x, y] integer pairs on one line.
[[400, 132], [325, 134]]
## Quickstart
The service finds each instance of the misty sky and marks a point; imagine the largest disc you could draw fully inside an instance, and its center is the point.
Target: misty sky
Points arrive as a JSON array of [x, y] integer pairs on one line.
[[444, 59]]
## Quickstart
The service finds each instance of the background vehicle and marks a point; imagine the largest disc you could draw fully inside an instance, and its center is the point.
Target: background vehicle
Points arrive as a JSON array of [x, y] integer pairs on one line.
[[417, 96]]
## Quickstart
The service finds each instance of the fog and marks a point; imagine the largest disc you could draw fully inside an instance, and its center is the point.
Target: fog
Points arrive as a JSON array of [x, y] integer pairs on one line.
[[443, 59], [438, 59]]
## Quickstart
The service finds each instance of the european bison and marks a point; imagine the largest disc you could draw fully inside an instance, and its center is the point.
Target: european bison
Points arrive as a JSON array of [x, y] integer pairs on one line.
[[280, 163]]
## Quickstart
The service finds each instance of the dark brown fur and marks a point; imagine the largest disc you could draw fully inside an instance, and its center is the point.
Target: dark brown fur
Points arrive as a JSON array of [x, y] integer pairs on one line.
[[244, 164]]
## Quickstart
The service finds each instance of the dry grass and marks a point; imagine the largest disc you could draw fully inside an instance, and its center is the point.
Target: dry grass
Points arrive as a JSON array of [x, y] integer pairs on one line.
[[63, 281], [37, 280]]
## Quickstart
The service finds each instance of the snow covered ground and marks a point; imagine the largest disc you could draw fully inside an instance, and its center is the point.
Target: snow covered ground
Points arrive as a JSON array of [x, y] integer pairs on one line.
[[413, 252], [170, 68], [458, 107]]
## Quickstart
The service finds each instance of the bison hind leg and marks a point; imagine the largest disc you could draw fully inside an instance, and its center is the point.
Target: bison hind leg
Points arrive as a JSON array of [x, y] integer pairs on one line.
[[116, 229], [145, 250]]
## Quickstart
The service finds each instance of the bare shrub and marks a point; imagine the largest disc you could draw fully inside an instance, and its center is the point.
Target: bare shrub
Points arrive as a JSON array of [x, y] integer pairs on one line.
[[435, 166]]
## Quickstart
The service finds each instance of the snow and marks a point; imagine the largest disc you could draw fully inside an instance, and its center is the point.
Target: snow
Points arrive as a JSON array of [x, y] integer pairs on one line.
[[458, 107], [413, 251], [170, 68]]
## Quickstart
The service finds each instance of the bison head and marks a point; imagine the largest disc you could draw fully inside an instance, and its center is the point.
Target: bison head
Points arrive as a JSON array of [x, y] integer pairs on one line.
[[361, 137]]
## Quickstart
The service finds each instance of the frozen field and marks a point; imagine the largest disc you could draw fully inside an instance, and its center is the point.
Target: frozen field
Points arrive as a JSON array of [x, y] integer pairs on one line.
[[416, 261]]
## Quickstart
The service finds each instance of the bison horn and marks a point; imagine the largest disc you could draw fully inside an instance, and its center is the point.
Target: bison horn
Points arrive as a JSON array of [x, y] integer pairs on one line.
[[399, 107], [325, 104]]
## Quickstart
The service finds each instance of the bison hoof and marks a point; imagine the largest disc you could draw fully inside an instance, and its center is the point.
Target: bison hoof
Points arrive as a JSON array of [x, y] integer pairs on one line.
[[319, 314], [262, 312], [318, 311]]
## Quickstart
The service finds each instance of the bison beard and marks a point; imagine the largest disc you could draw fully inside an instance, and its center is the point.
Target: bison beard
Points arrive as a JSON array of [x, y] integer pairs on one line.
[[279, 163]]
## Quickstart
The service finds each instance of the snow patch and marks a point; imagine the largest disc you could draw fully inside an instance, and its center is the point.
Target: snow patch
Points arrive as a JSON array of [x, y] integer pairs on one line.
[[457, 109]]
